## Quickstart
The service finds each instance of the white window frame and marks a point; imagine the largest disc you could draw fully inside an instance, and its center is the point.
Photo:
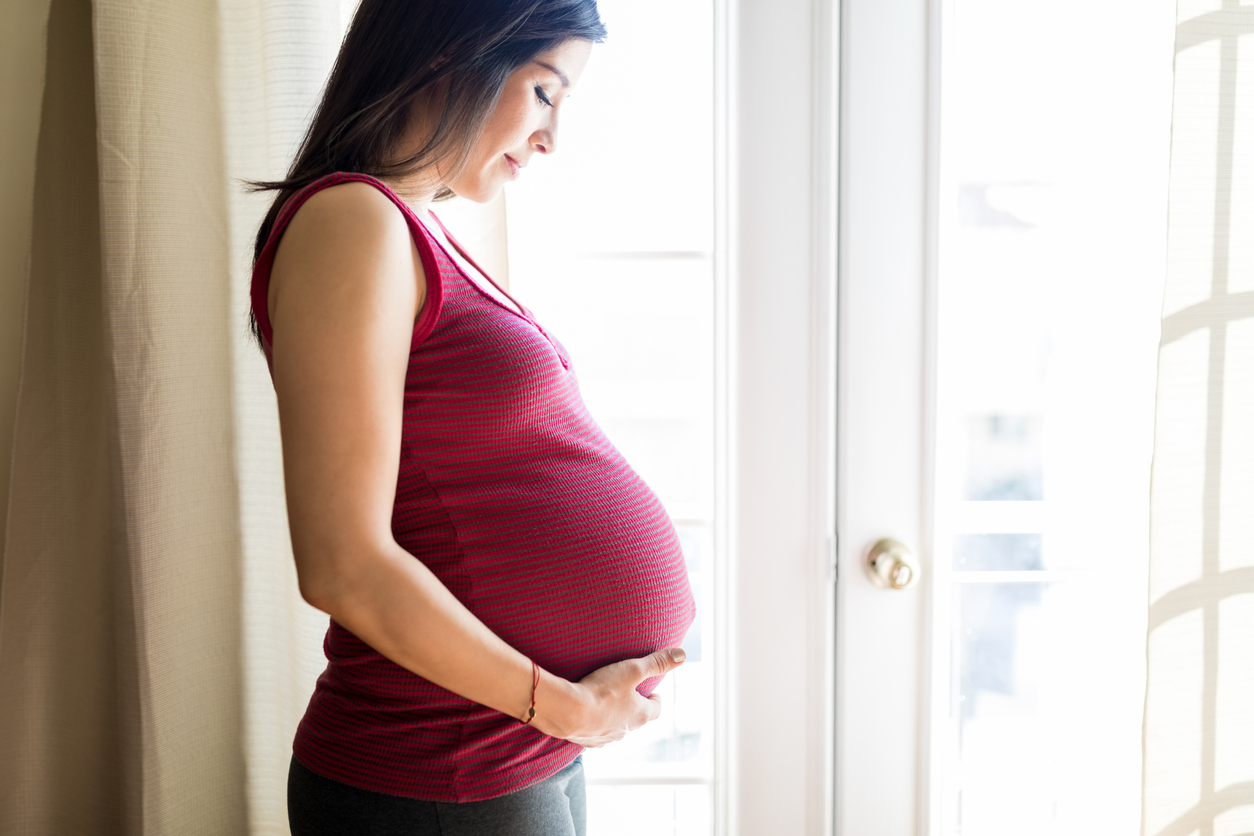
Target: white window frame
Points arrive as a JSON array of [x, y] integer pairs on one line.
[[888, 138], [776, 266], [887, 228]]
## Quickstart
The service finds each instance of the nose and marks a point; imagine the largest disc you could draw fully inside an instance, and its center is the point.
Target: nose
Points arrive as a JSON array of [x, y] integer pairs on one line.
[[545, 139], [543, 142]]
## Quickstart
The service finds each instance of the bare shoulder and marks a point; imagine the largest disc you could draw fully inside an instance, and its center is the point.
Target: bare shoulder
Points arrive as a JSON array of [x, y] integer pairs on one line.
[[349, 237], [353, 206]]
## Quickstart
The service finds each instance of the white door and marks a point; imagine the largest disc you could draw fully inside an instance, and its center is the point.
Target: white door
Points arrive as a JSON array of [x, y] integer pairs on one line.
[[1002, 218], [913, 297]]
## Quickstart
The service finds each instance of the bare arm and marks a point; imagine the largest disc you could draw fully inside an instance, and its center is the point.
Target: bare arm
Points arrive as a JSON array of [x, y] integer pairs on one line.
[[346, 287]]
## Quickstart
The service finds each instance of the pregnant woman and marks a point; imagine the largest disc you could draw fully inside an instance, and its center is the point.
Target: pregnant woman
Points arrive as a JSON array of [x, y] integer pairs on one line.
[[504, 590]]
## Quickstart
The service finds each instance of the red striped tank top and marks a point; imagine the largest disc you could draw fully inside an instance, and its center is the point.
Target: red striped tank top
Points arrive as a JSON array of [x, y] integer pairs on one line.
[[511, 494]]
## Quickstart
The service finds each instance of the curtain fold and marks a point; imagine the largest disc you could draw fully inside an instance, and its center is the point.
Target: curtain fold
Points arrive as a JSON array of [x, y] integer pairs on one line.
[[22, 59], [1199, 710], [275, 56], [120, 626], [68, 707], [155, 655], [165, 256]]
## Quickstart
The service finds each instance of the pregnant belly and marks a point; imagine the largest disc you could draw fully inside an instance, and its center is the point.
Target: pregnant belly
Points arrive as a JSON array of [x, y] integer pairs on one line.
[[575, 603], [573, 578]]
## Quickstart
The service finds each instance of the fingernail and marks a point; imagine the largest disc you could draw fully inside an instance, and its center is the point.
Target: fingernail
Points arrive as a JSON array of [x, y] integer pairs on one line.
[[678, 655]]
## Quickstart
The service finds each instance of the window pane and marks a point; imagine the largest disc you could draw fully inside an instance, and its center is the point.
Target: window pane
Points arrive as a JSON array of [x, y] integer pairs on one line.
[[611, 246], [997, 552], [1042, 688], [1052, 206], [1004, 457], [658, 811], [633, 170]]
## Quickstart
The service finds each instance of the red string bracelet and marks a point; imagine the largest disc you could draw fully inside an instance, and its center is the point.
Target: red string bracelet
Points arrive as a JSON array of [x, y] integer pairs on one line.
[[535, 680]]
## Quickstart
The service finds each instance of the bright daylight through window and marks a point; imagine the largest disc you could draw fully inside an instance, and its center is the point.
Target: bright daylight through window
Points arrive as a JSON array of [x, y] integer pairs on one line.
[[611, 244], [1052, 215]]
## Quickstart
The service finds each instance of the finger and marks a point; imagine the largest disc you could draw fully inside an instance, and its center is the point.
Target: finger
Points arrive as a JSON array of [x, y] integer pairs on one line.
[[653, 709], [598, 741], [661, 662]]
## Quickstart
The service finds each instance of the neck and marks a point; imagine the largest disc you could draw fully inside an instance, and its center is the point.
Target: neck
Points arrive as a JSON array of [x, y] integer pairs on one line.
[[417, 191], [419, 188]]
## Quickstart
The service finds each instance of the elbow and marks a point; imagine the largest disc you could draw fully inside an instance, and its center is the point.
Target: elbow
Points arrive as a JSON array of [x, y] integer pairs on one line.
[[316, 595], [321, 583], [332, 579]]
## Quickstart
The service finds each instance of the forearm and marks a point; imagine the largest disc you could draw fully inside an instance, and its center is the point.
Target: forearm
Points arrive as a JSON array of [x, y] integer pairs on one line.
[[395, 604]]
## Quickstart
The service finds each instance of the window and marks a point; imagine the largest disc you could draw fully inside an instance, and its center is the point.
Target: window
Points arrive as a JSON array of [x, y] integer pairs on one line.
[[611, 244], [1052, 209]]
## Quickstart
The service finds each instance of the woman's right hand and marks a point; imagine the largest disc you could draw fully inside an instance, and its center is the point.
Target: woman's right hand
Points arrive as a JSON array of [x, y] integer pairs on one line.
[[603, 706]]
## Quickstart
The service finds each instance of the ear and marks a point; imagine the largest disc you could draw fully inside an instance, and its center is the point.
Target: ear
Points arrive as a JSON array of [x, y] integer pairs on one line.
[[439, 62]]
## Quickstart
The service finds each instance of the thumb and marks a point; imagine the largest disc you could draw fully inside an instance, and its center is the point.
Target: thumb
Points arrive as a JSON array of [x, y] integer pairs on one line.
[[663, 661]]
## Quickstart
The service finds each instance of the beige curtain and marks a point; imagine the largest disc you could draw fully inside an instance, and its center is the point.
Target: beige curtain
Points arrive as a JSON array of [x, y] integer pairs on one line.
[[21, 86], [155, 656], [1199, 708]]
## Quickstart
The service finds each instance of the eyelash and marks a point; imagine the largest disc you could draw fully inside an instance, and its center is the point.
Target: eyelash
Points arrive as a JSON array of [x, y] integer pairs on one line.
[[543, 98]]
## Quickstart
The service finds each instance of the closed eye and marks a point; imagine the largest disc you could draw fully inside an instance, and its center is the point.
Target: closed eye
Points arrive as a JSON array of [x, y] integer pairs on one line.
[[544, 99]]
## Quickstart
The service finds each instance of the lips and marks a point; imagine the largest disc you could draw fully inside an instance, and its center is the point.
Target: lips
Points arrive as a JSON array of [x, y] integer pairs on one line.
[[515, 167]]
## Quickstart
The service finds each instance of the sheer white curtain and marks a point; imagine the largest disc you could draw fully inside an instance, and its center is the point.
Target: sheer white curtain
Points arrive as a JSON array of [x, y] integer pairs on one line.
[[155, 655], [1199, 708]]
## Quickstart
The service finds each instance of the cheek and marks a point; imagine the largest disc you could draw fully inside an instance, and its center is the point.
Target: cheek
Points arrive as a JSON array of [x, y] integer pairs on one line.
[[508, 128]]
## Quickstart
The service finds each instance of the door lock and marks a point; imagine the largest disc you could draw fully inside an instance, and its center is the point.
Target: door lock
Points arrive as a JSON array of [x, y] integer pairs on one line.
[[891, 564]]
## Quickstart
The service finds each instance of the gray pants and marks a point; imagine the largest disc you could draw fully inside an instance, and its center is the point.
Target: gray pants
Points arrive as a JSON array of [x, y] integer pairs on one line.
[[318, 806]]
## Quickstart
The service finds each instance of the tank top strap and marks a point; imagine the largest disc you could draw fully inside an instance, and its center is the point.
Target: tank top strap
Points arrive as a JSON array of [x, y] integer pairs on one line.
[[522, 309], [433, 299]]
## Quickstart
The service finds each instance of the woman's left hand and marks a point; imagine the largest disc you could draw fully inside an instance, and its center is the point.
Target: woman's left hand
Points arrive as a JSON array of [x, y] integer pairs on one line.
[[603, 706]]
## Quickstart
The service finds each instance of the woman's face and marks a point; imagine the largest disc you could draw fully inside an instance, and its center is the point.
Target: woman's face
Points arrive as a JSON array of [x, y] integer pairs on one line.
[[523, 123]]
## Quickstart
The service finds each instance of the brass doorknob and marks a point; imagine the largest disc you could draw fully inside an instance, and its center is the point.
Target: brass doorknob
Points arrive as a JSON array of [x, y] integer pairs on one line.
[[891, 564]]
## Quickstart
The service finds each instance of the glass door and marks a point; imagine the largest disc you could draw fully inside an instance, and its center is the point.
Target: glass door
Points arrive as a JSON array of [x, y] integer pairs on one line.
[[1054, 132], [1019, 437]]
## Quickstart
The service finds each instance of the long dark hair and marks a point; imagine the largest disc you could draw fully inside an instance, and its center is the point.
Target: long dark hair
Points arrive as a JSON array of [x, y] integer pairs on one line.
[[396, 50]]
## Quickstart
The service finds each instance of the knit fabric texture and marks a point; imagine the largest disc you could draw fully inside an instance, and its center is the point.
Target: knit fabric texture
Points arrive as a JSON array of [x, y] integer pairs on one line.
[[511, 494]]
